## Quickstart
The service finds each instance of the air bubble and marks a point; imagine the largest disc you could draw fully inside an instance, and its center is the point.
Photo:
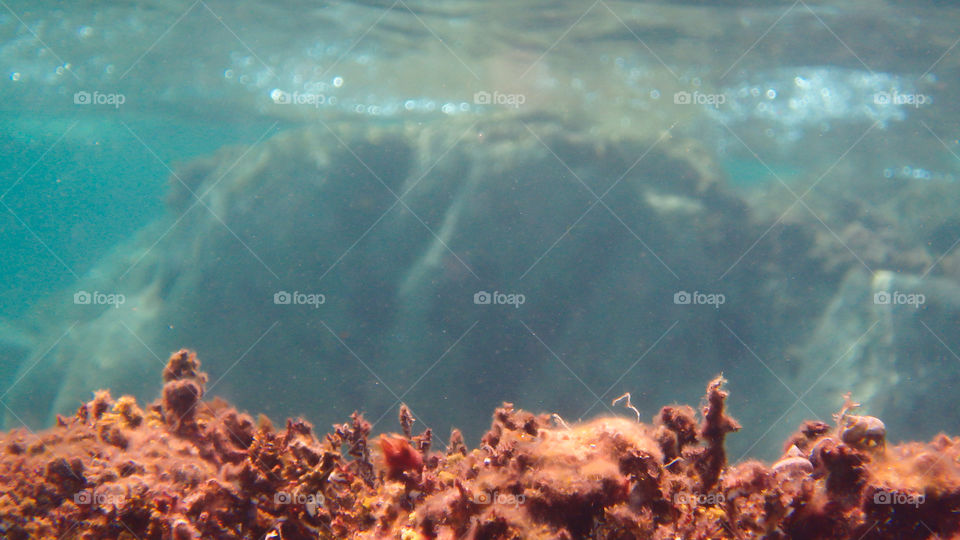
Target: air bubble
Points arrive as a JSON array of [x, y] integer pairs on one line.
[[338, 82]]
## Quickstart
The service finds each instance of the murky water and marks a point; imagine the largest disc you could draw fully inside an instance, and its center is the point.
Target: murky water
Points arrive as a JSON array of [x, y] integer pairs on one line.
[[830, 128]]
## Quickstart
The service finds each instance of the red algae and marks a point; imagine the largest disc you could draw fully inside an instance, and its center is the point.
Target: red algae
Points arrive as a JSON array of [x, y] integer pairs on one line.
[[399, 457], [184, 468]]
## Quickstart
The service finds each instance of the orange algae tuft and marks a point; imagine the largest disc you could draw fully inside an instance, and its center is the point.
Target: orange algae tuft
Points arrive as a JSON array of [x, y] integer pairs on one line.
[[399, 457]]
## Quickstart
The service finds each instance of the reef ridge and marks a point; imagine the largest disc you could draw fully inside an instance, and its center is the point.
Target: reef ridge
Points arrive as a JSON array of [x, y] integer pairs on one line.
[[186, 468]]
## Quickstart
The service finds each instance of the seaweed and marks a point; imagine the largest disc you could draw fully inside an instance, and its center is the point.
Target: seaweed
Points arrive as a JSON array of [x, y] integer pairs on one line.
[[186, 468]]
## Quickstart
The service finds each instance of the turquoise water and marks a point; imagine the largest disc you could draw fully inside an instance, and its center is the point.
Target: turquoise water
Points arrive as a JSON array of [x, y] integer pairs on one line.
[[76, 186], [747, 174], [788, 169]]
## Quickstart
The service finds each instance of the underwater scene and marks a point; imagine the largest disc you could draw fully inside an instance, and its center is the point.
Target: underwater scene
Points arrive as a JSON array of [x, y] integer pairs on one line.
[[491, 270]]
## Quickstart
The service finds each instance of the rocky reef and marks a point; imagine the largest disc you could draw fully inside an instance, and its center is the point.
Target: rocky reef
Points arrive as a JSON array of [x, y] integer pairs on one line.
[[368, 250], [396, 229], [187, 468]]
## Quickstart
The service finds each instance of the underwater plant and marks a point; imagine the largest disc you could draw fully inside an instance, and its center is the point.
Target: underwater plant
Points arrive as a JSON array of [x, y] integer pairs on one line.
[[185, 468]]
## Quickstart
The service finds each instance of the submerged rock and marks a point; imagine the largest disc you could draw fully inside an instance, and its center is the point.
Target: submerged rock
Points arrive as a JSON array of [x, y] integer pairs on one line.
[[422, 262], [515, 258]]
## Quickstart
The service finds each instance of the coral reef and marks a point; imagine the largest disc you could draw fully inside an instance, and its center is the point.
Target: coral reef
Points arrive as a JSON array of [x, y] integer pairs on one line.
[[185, 468]]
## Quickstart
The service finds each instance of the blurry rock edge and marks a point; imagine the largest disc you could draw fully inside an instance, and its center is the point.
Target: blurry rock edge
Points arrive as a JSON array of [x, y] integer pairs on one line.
[[311, 290]]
